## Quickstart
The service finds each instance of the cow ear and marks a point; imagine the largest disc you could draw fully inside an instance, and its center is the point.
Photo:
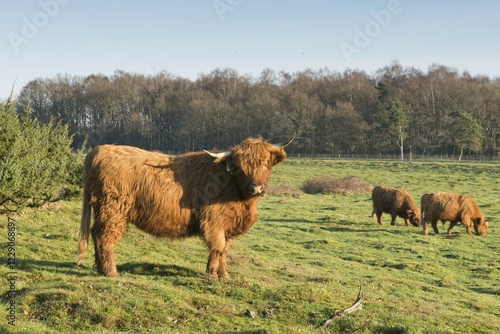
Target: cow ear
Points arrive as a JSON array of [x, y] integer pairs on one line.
[[278, 156], [231, 167]]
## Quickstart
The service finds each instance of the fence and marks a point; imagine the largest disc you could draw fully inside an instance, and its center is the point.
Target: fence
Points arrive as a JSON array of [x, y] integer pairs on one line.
[[414, 157]]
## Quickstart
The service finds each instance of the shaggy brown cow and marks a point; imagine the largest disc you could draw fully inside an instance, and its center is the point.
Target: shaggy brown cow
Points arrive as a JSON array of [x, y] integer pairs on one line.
[[213, 195], [454, 208], [396, 202]]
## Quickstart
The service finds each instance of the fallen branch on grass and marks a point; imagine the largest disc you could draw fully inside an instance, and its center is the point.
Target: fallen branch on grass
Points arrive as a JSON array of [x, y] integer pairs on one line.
[[356, 306]]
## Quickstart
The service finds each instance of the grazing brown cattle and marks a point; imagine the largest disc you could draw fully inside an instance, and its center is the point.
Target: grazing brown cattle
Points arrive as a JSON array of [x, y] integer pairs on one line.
[[396, 202], [213, 195], [454, 208]]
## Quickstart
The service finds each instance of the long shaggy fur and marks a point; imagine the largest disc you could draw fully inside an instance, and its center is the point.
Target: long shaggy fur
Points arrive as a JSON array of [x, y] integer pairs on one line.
[[396, 202], [173, 196], [454, 208]]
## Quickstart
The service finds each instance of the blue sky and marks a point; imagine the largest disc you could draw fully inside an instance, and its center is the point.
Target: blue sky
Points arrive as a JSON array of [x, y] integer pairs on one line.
[[190, 37]]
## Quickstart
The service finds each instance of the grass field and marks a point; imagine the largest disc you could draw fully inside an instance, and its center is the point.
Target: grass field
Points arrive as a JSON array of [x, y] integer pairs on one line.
[[304, 259]]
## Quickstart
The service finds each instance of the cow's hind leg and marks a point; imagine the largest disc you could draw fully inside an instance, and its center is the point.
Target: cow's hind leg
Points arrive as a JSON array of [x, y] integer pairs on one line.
[[393, 219], [434, 224], [425, 225], [106, 235], [379, 217]]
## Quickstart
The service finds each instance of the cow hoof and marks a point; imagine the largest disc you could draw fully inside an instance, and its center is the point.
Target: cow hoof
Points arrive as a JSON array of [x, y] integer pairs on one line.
[[212, 275], [111, 274], [224, 275]]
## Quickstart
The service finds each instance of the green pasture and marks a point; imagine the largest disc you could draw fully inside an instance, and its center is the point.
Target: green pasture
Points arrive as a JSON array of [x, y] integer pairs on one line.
[[303, 260]]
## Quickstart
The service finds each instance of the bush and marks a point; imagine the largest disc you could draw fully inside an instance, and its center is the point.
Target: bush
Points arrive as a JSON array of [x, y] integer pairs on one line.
[[328, 185], [36, 161]]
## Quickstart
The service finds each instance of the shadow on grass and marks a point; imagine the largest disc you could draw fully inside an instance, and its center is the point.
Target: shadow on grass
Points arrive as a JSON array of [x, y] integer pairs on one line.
[[289, 220], [391, 330], [155, 269], [60, 267], [344, 226], [486, 291], [70, 268], [258, 331]]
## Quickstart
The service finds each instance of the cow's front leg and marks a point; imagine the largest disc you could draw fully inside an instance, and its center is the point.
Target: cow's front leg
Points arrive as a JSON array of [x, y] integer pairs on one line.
[[222, 260], [213, 264], [468, 223], [218, 246], [452, 225]]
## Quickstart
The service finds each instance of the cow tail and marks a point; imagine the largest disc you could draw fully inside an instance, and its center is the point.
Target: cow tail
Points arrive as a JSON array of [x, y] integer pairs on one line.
[[84, 224]]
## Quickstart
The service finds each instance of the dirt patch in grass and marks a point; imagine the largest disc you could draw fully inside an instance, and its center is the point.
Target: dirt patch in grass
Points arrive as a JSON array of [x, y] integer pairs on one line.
[[328, 185]]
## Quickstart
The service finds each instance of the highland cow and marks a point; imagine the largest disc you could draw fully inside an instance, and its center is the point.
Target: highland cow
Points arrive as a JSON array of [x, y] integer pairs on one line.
[[213, 195], [454, 208], [396, 202]]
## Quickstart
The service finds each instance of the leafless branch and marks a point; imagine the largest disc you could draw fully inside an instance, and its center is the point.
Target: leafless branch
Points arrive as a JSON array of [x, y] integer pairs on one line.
[[356, 306]]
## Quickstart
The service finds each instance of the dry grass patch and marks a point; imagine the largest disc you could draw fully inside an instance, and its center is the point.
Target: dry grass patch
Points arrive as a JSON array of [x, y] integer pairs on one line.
[[284, 190], [328, 185]]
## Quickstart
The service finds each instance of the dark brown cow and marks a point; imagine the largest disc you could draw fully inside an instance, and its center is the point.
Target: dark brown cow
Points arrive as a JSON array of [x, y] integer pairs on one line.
[[396, 202], [454, 208], [213, 195]]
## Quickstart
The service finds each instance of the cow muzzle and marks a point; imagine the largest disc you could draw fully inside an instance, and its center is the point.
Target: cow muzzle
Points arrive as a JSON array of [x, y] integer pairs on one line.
[[257, 190]]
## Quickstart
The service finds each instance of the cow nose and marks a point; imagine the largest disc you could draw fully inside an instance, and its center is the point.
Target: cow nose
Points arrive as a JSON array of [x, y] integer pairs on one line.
[[257, 190]]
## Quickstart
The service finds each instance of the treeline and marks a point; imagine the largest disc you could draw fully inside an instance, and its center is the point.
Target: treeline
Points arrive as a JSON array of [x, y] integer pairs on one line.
[[395, 111]]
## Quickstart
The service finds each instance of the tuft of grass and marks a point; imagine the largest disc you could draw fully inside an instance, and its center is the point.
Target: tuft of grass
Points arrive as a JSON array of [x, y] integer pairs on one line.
[[303, 259]]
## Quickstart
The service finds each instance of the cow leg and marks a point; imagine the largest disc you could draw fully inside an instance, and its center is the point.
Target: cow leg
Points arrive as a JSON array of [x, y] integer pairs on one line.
[[379, 217], [452, 225], [468, 230], [467, 223], [407, 223], [222, 261], [425, 225], [434, 224], [105, 236], [213, 264], [393, 219], [216, 264]]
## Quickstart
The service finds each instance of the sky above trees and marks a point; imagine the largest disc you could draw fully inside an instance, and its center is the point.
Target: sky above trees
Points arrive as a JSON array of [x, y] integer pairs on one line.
[[42, 38]]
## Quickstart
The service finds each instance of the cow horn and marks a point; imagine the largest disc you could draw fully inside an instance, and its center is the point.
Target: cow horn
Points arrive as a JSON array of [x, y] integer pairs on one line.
[[219, 155], [285, 144]]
